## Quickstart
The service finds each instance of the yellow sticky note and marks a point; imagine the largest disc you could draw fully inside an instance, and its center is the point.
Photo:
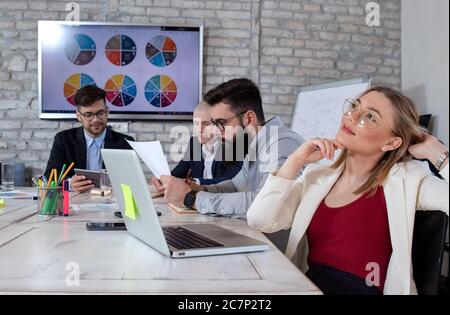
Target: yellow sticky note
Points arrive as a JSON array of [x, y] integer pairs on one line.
[[131, 210], [2, 203]]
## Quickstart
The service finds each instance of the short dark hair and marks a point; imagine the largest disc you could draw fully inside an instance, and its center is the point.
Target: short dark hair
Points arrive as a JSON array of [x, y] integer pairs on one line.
[[240, 94], [88, 95]]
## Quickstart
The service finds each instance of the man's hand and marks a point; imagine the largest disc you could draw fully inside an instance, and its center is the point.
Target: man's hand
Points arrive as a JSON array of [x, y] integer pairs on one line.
[[176, 190], [80, 184], [195, 186], [158, 185]]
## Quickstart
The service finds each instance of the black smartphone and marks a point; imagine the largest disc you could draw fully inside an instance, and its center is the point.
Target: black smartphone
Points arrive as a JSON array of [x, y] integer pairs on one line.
[[94, 176], [105, 226], [119, 214]]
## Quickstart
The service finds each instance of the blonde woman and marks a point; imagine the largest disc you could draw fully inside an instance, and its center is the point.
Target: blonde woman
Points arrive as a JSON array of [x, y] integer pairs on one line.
[[352, 223]]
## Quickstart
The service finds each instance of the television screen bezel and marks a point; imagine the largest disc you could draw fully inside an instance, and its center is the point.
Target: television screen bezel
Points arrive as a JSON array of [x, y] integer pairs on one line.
[[117, 116]]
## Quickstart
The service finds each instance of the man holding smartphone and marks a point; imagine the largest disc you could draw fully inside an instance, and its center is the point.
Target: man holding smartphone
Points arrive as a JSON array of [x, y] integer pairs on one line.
[[83, 145]]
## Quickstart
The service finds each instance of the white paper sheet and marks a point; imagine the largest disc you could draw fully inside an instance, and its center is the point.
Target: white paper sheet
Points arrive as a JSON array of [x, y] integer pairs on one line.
[[153, 156]]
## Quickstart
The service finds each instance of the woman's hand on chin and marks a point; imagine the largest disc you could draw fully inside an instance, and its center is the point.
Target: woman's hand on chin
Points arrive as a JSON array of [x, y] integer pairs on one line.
[[311, 151]]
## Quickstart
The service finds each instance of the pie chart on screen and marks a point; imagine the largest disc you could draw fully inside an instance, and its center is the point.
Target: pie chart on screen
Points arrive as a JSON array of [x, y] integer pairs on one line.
[[161, 91], [120, 90], [80, 49], [74, 83], [161, 51], [120, 50]]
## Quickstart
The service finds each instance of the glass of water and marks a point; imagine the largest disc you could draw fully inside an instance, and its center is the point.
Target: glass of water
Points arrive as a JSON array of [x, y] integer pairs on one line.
[[8, 176]]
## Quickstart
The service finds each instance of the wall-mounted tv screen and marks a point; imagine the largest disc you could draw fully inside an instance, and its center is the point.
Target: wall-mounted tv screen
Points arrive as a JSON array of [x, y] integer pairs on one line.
[[148, 72]]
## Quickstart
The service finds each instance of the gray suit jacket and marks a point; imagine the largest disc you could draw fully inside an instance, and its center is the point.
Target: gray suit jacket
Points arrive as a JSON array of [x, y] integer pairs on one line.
[[267, 153]]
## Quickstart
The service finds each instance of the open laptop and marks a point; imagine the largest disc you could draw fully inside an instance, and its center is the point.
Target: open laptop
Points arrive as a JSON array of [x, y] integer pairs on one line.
[[190, 240]]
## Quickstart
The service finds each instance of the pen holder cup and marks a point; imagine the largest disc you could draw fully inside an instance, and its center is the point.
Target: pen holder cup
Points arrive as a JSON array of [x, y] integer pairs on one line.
[[50, 201]]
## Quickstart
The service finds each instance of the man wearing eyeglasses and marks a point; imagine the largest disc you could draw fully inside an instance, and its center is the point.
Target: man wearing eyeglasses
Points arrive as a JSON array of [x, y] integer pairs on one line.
[[237, 111], [83, 145], [203, 162]]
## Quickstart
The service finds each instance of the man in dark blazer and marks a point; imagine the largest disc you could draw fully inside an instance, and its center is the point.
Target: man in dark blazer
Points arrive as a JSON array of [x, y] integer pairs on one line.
[[204, 161], [83, 145], [194, 167]]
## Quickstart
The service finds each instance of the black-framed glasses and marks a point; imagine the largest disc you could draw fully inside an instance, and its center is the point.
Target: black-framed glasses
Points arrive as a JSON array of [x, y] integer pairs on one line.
[[221, 122], [101, 114], [368, 119]]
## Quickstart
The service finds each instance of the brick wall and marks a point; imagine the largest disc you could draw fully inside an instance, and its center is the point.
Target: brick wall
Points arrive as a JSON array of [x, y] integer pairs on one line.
[[282, 45]]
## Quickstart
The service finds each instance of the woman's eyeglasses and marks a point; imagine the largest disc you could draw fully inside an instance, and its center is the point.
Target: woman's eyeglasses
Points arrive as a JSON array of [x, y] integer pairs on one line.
[[368, 119]]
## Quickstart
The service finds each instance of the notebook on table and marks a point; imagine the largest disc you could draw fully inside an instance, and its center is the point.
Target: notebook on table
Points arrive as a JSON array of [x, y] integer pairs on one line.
[[182, 210]]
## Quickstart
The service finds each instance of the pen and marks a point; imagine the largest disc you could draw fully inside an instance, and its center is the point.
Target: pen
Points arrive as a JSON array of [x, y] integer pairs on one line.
[[35, 181], [62, 172], [188, 176], [50, 179], [68, 170]]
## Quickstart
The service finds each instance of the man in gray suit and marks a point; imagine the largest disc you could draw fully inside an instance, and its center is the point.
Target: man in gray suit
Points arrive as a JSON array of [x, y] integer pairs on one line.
[[237, 112]]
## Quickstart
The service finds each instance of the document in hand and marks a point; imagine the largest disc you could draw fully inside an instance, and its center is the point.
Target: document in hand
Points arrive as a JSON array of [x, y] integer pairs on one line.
[[153, 156]]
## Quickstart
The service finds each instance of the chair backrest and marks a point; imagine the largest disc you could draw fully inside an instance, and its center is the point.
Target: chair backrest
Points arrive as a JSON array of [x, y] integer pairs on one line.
[[430, 230]]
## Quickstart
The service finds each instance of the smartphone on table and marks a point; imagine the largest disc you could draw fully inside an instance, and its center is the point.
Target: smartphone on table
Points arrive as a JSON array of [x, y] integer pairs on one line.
[[118, 214], [106, 226]]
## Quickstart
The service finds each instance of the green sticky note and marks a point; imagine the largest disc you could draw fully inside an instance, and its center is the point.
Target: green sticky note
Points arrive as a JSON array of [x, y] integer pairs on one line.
[[131, 210]]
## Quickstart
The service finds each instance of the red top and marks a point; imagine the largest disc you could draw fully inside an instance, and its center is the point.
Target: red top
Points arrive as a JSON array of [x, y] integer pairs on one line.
[[351, 237]]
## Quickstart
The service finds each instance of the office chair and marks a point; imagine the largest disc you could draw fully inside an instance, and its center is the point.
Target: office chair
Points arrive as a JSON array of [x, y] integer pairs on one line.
[[430, 230], [447, 250]]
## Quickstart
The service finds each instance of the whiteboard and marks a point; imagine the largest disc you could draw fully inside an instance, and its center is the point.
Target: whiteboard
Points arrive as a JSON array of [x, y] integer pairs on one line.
[[318, 111]]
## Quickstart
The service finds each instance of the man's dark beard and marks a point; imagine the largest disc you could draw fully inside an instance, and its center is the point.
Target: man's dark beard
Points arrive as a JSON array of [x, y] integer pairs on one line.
[[239, 153]]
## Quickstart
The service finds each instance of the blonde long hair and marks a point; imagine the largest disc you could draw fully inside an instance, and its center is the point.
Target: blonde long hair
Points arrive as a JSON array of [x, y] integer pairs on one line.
[[407, 127]]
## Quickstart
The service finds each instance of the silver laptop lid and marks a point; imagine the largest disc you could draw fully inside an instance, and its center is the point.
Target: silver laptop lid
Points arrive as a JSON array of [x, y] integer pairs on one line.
[[124, 168]]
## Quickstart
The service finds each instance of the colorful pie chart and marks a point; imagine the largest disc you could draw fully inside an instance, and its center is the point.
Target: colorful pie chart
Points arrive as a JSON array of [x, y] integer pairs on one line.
[[120, 50], [161, 51], [74, 83], [80, 49], [161, 91], [120, 90]]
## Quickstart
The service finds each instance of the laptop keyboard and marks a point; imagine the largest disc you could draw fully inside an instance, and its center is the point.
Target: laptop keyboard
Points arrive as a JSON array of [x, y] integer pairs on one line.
[[181, 238]]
